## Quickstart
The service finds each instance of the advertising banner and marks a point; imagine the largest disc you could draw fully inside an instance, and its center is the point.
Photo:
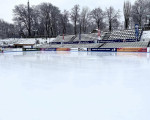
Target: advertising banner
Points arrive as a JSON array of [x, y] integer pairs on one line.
[[48, 49], [62, 49], [103, 49], [31, 49], [132, 50]]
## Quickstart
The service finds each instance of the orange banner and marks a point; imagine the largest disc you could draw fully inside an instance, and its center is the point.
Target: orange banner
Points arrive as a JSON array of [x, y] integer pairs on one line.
[[132, 50], [63, 49]]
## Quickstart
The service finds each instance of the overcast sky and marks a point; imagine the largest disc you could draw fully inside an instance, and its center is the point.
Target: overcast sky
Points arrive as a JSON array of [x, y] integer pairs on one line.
[[6, 6]]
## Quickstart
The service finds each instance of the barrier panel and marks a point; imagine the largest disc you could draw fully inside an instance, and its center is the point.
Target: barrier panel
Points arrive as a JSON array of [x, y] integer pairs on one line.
[[31, 49], [48, 49], [13, 49], [62, 49], [82, 49], [103, 49], [132, 50], [74, 49], [148, 49]]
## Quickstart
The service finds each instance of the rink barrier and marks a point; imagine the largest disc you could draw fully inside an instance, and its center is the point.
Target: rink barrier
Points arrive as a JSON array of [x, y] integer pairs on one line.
[[86, 49]]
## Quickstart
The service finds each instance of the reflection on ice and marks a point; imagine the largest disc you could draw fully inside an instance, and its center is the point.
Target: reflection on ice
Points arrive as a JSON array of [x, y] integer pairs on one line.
[[74, 85]]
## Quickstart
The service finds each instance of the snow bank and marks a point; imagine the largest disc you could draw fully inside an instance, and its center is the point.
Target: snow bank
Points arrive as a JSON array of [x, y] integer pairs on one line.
[[13, 41], [145, 36]]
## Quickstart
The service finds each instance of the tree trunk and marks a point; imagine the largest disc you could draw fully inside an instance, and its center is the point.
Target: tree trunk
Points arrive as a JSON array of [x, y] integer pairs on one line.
[[110, 26], [75, 29], [126, 23]]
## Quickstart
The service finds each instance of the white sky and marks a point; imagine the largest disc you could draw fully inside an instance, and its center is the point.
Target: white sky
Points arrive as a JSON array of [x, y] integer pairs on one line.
[[6, 6]]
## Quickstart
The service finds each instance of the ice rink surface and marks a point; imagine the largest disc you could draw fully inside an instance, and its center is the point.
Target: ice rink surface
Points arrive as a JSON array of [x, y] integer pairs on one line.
[[74, 86]]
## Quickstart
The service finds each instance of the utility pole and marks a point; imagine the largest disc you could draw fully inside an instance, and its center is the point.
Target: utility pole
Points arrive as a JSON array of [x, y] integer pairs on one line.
[[29, 20]]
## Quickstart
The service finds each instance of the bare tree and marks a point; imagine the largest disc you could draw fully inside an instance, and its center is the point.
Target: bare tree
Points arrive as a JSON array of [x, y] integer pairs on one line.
[[6, 30], [98, 16], [112, 16], [45, 18], [127, 13], [21, 15], [49, 17], [147, 7], [35, 20], [64, 21], [75, 17], [85, 18], [139, 12]]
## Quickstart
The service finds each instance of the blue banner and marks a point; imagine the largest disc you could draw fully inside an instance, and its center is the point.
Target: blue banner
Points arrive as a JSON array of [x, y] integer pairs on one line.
[[103, 49], [55, 42], [48, 49], [75, 42]]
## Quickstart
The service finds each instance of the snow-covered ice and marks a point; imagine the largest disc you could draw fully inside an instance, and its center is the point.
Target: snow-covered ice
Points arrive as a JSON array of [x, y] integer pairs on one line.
[[74, 86]]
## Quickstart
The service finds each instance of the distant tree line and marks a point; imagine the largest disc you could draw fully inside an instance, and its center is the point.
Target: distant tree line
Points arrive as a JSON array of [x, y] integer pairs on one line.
[[46, 20], [6, 30]]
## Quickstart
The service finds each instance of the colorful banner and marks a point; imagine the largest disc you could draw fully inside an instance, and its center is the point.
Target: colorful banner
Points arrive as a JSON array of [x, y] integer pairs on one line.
[[103, 49], [132, 50], [62, 49]]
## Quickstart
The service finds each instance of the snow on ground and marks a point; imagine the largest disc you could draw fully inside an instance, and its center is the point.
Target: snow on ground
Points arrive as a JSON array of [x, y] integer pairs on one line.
[[74, 86], [25, 41], [145, 36]]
